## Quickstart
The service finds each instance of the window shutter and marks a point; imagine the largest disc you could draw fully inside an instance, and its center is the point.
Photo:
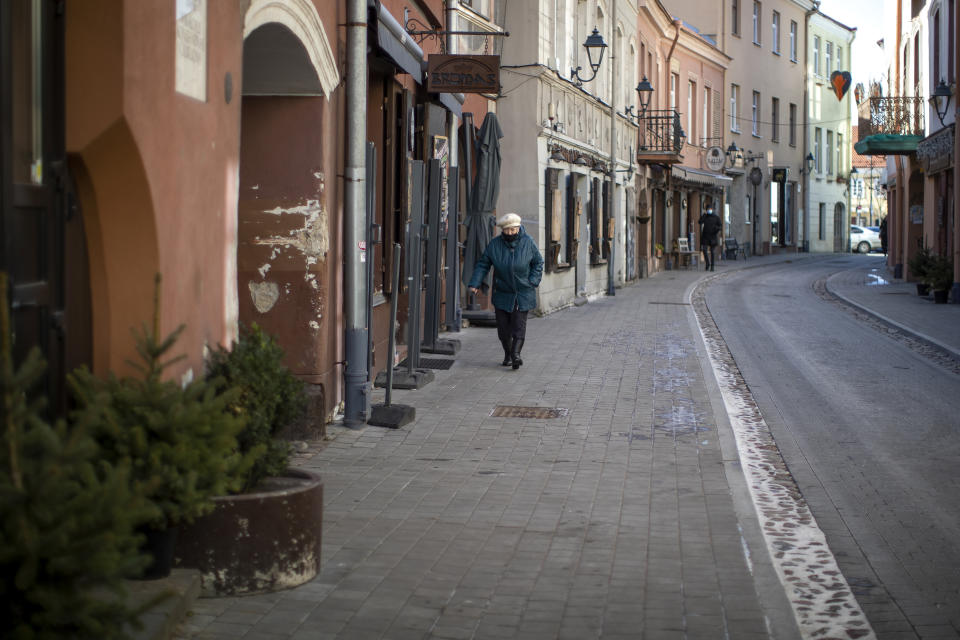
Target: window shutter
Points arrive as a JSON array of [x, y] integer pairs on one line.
[[717, 112]]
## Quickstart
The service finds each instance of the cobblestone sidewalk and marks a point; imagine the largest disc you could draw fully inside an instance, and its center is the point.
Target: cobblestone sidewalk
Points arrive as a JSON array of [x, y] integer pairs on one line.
[[615, 520]]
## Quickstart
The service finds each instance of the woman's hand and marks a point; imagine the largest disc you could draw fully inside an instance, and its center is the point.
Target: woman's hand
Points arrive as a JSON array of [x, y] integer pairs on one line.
[[474, 290]]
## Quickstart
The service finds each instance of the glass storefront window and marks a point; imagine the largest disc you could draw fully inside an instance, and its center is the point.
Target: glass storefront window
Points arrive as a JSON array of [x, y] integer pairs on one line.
[[27, 92]]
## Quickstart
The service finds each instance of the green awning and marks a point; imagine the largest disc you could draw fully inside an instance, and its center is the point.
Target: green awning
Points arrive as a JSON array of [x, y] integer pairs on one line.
[[887, 144]]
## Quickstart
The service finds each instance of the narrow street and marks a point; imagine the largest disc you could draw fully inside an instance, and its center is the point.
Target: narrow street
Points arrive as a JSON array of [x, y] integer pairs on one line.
[[868, 427]]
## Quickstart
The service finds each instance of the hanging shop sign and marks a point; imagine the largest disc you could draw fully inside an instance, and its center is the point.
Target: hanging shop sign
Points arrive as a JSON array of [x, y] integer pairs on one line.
[[715, 158], [463, 74]]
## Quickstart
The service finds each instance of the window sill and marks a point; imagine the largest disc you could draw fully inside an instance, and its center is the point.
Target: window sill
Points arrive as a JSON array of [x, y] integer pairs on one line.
[[776, 53], [563, 266]]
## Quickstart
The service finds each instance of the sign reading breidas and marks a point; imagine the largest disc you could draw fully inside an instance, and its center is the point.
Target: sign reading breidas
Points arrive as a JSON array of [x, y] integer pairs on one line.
[[463, 74]]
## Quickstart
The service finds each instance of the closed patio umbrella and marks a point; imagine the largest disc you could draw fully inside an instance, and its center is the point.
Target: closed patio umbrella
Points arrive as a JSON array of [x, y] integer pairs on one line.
[[483, 196]]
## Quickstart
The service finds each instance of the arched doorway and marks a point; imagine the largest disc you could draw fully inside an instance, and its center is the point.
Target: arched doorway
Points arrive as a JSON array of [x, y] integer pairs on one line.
[[839, 222], [288, 252]]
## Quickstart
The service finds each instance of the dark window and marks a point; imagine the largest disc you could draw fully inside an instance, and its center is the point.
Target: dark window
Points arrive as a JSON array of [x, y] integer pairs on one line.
[[793, 125], [735, 16], [936, 50]]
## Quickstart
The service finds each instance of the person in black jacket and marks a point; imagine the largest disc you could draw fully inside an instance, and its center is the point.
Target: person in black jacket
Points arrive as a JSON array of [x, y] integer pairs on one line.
[[709, 236], [518, 268]]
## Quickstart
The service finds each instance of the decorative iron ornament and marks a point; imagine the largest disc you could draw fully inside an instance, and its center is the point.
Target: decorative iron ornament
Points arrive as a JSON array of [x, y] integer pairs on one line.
[[425, 32], [897, 116], [661, 132]]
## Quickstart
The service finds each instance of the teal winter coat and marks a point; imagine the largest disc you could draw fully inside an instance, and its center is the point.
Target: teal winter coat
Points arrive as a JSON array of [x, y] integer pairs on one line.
[[517, 270]]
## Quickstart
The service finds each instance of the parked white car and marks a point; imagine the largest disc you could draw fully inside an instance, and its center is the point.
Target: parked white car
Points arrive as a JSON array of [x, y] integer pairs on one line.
[[864, 239]]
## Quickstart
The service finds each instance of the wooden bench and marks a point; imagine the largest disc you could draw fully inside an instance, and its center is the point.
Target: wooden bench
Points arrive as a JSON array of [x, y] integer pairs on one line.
[[685, 257], [732, 248]]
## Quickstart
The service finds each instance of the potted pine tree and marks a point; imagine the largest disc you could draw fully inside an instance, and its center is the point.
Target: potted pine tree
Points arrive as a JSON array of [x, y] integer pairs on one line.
[[939, 277], [180, 442], [266, 536], [919, 263], [67, 517]]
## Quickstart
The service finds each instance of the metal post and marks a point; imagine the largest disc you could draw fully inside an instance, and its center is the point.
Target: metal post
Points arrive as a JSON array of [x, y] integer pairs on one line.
[[356, 392], [431, 316], [415, 272], [614, 60], [392, 339], [372, 230]]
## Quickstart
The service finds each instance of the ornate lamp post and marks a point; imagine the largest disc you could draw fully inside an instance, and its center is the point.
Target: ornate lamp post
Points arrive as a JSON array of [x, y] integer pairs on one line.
[[595, 46]]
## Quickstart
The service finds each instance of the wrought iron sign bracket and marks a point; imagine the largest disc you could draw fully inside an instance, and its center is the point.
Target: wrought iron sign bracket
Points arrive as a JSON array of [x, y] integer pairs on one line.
[[425, 32]]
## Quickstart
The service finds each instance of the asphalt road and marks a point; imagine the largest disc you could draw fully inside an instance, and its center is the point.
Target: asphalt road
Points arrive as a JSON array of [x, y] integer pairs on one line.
[[869, 428]]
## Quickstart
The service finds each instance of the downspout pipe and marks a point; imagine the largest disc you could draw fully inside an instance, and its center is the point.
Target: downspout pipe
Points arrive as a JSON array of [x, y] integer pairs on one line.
[[955, 290], [806, 125], [614, 61], [357, 392]]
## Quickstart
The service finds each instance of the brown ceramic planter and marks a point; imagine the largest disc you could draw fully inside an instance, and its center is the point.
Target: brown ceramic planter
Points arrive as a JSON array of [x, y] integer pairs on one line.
[[257, 542]]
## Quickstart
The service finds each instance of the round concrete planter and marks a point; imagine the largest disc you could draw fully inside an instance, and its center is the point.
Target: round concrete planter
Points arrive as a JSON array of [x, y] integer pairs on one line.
[[257, 542]]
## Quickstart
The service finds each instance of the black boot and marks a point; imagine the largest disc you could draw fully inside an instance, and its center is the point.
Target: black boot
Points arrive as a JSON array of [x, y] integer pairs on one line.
[[515, 354], [507, 353]]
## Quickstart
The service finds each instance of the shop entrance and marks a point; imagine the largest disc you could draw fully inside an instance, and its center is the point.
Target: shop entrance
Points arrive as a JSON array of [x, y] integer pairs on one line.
[[287, 261], [43, 250]]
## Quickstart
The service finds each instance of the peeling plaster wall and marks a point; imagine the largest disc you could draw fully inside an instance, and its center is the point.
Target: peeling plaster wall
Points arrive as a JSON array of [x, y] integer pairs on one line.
[[286, 261]]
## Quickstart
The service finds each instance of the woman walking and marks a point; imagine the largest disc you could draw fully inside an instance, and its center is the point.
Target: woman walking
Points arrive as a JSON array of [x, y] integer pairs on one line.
[[518, 267]]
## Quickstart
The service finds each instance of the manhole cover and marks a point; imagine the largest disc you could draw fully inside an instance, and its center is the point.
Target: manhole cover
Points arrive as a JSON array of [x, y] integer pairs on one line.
[[502, 411], [432, 363]]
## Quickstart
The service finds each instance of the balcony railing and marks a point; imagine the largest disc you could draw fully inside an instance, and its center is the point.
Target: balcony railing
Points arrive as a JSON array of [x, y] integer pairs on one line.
[[660, 133], [896, 116]]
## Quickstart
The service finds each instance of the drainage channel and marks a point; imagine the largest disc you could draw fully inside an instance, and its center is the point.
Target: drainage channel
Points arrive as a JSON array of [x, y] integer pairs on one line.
[[823, 602]]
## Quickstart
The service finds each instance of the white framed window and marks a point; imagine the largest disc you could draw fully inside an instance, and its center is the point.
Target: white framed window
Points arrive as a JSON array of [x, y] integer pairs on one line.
[[816, 55], [775, 119], [756, 22], [828, 59], [829, 153], [691, 110], [793, 40], [734, 100], [674, 80], [793, 125], [775, 31], [706, 128], [756, 113], [840, 165], [839, 58], [735, 17], [817, 156]]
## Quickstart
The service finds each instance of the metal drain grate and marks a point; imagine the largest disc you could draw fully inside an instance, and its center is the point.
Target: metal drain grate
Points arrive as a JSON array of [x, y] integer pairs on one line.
[[502, 411], [432, 363]]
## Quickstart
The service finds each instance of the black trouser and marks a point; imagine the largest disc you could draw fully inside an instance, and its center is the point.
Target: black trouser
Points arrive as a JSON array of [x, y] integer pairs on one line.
[[708, 257], [511, 325]]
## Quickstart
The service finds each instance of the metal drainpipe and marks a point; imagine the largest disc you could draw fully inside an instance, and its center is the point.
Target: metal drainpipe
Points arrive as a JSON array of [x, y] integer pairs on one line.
[[356, 396], [806, 126], [955, 293], [614, 59], [453, 127]]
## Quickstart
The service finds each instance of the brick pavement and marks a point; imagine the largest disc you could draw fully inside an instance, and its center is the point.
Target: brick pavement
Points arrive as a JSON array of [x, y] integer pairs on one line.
[[616, 521]]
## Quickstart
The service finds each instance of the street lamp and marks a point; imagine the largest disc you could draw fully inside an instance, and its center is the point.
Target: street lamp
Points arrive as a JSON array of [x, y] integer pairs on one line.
[[808, 164], [595, 46], [644, 91], [733, 154], [941, 100]]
